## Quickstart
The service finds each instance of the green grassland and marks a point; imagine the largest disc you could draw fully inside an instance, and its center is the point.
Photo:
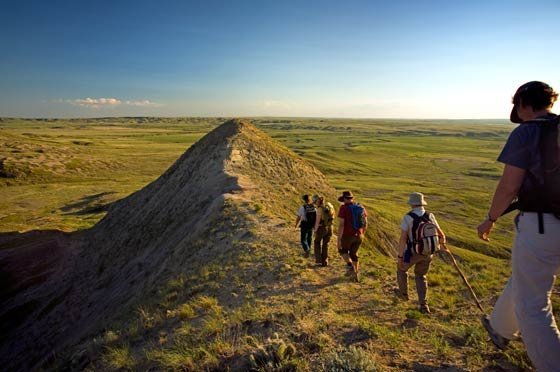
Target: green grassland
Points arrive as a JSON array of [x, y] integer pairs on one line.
[[60, 170], [62, 174]]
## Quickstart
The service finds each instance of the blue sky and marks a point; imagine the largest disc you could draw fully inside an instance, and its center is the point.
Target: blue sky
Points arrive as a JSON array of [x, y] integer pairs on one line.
[[397, 59]]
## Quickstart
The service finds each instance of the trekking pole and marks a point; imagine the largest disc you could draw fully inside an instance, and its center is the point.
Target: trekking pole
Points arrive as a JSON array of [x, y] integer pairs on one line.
[[463, 277]]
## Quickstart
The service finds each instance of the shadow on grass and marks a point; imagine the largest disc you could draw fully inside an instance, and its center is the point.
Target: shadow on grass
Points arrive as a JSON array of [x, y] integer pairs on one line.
[[89, 204]]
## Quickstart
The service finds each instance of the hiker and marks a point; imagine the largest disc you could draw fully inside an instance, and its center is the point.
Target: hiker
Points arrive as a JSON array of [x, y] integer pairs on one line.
[[532, 175], [420, 238], [323, 229], [352, 226], [306, 220]]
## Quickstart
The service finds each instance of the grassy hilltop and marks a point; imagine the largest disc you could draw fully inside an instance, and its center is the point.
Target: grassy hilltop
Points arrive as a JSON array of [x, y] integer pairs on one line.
[[63, 174]]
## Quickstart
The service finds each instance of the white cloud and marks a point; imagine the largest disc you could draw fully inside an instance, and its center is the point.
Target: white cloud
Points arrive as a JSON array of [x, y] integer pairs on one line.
[[95, 102], [108, 102], [142, 102]]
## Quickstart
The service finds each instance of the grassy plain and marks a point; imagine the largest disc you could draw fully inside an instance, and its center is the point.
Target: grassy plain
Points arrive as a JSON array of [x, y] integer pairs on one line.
[[62, 174], [65, 167]]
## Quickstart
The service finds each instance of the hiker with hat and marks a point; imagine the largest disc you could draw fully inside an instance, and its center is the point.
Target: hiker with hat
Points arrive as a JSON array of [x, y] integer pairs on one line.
[[352, 226], [323, 229], [306, 220], [531, 176], [419, 240]]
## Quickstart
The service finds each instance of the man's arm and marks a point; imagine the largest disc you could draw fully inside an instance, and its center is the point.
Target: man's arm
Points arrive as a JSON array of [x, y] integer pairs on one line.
[[402, 243], [401, 247], [506, 191], [441, 234], [297, 221]]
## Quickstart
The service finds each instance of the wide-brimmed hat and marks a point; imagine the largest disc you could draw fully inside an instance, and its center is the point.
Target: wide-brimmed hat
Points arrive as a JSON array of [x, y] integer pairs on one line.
[[345, 195], [526, 91], [416, 198]]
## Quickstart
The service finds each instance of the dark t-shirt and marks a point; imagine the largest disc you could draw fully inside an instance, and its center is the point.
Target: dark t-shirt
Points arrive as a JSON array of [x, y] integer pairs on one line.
[[522, 150], [345, 213]]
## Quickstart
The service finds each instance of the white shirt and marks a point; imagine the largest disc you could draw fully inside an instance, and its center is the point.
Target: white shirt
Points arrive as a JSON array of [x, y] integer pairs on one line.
[[301, 213], [406, 224]]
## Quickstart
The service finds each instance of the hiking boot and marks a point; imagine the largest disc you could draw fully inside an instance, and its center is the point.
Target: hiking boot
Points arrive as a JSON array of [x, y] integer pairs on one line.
[[349, 271], [500, 342], [306, 254], [425, 309], [400, 295], [325, 263], [349, 264]]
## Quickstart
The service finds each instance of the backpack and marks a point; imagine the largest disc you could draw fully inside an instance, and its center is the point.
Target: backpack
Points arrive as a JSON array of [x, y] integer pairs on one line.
[[328, 213], [544, 195], [358, 216], [425, 238], [310, 215]]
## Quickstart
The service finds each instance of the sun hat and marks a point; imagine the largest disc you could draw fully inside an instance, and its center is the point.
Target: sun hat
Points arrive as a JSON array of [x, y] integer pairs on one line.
[[416, 198], [532, 89], [345, 195]]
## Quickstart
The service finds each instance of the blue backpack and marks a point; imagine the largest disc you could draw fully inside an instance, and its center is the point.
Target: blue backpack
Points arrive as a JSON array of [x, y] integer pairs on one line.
[[358, 216]]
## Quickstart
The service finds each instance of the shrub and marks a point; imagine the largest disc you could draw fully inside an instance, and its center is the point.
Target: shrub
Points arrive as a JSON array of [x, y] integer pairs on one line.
[[348, 360], [275, 355]]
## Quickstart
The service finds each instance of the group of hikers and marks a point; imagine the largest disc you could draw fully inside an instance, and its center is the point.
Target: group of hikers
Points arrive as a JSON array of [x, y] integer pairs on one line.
[[530, 183], [420, 238], [316, 217]]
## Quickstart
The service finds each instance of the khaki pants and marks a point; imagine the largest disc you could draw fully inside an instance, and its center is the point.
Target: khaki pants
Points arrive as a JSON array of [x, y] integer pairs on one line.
[[321, 245], [524, 305], [421, 266]]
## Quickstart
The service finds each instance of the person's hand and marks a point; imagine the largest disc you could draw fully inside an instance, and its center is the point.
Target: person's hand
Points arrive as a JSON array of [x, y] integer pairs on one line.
[[400, 263], [443, 239], [484, 229], [339, 245]]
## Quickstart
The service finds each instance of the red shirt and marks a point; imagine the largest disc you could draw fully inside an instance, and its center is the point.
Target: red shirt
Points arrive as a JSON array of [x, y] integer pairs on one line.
[[344, 212]]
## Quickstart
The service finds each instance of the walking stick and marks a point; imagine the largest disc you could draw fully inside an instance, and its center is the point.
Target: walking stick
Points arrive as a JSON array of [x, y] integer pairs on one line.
[[463, 277]]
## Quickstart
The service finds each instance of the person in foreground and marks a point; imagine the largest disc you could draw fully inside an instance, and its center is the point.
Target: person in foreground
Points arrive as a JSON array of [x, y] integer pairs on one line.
[[352, 225], [532, 175], [420, 238]]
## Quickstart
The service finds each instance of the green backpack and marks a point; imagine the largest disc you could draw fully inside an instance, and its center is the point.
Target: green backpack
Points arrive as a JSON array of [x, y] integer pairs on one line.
[[328, 213]]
